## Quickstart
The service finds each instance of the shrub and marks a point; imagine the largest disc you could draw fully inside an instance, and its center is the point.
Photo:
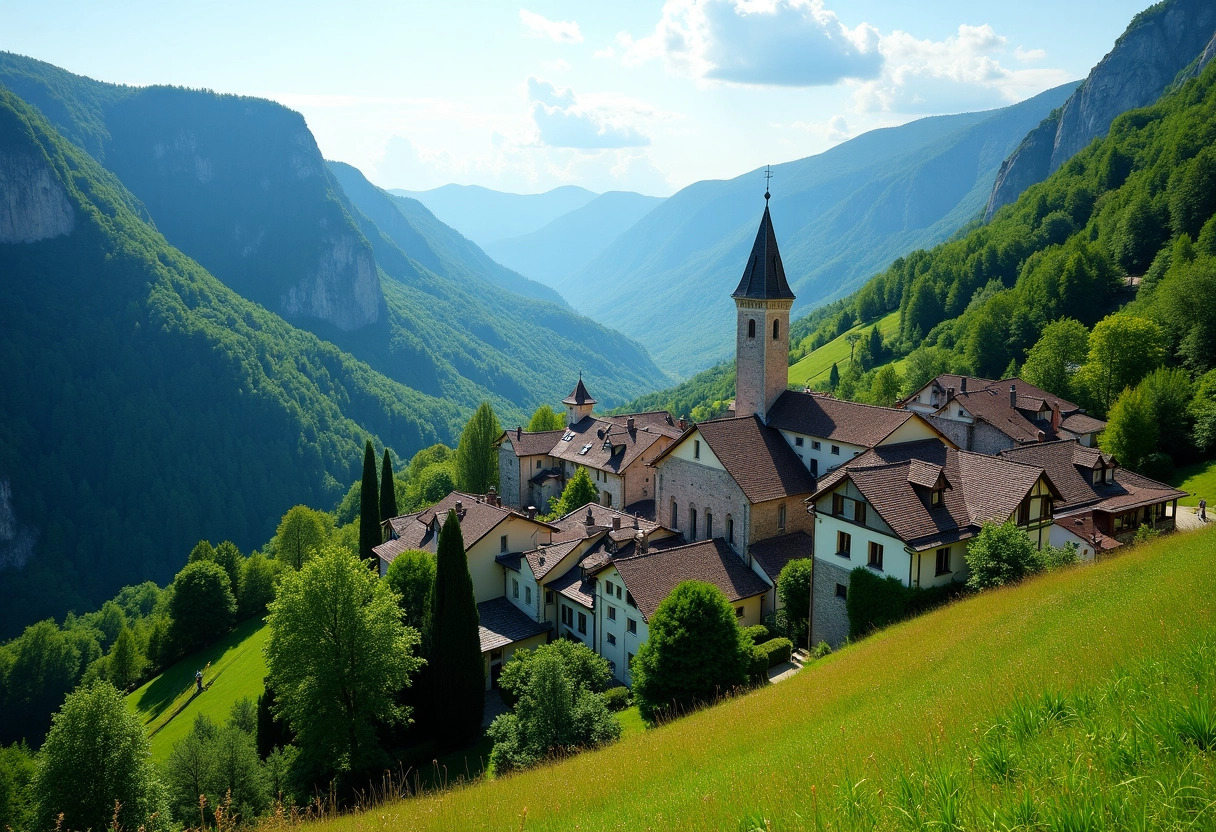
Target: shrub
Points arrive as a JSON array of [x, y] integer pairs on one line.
[[821, 650], [757, 666], [875, 602], [617, 699], [776, 651], [758, 633], [1001, 554], [794, 590]]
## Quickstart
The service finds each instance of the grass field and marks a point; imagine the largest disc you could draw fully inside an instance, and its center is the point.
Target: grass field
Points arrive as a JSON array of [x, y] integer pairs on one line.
[[816, 366], [1083, 699], [1198, 480], [169, 703]]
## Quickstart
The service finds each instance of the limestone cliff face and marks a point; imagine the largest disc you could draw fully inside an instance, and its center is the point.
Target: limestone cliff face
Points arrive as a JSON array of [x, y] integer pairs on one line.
[[240, 185], [1146, 59], [33, 205]]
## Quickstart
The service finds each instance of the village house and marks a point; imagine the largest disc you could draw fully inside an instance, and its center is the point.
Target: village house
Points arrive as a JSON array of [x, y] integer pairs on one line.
[[907, 511], [988, 416], [615, 450], [1102, 505]]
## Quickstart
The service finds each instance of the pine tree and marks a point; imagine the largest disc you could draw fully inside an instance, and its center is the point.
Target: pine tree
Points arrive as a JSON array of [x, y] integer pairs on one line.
[[369, 506], [388, 492], [458, 672], [834, 376]]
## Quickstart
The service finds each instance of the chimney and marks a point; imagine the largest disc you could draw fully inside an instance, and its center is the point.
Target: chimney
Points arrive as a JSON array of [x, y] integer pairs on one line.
[[635, 521], [589, 521], [492, 496], [629, 424], [531, 512], [962, 384], [460, 507], [1013, 395], [1041, 435], [639, 543], [616, 522], [682, 423], [949, 393], [519, 432], [1055, 417]]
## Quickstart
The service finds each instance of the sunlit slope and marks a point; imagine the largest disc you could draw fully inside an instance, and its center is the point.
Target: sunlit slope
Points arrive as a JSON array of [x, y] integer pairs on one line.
[[919, 692]]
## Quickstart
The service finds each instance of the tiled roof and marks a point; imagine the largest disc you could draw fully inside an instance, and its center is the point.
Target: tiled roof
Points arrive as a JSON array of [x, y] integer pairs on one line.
[[992, 406], [982, 488], [1061, 460], [654, 420], [775, 552], [390, 549], [579, 395], [572, 586], [477, 519], [757, 458], [1082, 525], [531, 444], [604, 445], [502, 623], [543, 560], [764, 275], [573, 526], [833, 419], [510, 560], [1082, 424], [651, 577]]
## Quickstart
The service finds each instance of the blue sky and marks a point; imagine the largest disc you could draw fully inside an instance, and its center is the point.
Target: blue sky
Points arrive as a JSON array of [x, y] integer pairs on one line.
[[646, 96]]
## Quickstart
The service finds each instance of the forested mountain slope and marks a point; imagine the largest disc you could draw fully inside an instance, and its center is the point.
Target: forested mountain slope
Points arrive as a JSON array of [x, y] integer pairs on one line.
[[839, 215], [1159, 44], [239, 184], [148, 405]]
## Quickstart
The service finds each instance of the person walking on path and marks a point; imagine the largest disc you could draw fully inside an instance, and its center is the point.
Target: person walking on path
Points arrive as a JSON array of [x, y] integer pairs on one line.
[[198, 680], [1203, 510]]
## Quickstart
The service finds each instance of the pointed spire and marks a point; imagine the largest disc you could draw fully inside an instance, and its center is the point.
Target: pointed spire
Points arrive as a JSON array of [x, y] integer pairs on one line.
[[579, 395], [764, 276]]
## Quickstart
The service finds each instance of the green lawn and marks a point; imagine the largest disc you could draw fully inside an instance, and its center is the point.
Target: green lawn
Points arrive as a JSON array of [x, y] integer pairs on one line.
[[816, 366], [1081, 699], [169, 702], [631, 721], [1198, 480]]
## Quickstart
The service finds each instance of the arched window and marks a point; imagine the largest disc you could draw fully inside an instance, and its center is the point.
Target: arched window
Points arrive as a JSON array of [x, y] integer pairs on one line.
[[776, 329], [751, 327], [675, 515], [730, 530], [692, 523], [709, 525]]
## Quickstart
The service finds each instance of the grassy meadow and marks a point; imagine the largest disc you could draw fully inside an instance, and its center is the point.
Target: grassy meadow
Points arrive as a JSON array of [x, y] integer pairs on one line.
[[1080, 700], [815, 366], [168, 703], [1197, 480]]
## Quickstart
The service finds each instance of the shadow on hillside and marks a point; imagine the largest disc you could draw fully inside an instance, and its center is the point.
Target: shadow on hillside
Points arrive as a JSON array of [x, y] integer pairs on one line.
[[172, 683]]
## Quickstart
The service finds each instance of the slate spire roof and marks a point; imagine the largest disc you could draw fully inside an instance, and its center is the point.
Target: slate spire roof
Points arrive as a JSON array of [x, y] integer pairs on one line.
[[579, 395], [764, 275]]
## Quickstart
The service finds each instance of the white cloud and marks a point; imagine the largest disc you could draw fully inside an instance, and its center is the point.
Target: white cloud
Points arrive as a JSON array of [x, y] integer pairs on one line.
[[764, 42], [1028, 55], [562, 121], [560, 31]]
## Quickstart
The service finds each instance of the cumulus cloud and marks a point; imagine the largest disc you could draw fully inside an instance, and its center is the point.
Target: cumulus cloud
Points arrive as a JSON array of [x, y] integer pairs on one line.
[[769, 42], [1028, 55], [562, 121], [561, 31]]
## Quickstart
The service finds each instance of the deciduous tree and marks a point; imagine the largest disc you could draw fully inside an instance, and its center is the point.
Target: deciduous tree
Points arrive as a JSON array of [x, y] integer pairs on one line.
[[202, 606], [1001, 554], [300, 535], [794, 590], [579, 491], [545, 418], [476, 456]]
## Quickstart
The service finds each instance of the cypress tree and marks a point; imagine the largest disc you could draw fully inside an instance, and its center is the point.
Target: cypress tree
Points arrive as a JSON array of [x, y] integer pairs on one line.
[[369, 506], [457, 675], [388, 493], [476, 457], [834, 376]]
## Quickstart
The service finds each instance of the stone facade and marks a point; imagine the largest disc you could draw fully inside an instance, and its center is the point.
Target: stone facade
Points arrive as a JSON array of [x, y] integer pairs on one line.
[[762, 361], [764, 518], [830, 621], [980, 437], [509, 486], [703, 488]]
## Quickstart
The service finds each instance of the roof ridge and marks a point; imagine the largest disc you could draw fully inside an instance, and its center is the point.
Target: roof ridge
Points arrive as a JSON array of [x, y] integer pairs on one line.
[[821, 398]]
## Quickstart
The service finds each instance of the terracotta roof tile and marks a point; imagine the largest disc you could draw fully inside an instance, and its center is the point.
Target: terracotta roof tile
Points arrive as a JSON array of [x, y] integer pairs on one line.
[[579, 395], [813, 414], [531, 444], [605, 445], [757, 458], [542, 561], [651, 577], [1064, 462], [774, 553]]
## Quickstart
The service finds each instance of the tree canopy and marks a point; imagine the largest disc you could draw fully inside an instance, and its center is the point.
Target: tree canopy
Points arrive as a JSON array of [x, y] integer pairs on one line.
[[545, 418], [202, 606], [579, 491], [476, 456]]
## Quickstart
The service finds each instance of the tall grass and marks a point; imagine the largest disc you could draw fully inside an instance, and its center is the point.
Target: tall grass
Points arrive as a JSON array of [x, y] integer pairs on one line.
[[1082, 699]]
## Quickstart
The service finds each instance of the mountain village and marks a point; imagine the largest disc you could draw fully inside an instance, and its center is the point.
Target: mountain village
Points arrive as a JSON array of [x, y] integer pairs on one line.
[[786, 474]]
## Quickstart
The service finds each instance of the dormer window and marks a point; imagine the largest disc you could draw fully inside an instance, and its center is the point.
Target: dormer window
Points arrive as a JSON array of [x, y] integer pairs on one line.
[[936, 497]]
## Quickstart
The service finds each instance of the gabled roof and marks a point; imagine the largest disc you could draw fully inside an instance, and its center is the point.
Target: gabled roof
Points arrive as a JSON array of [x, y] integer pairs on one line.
[[1080, 424], [772, 554], [542, 561], [531, 444], [1063, 461], [834, 419], [764, 275], [651, 577], [579, 395], [982, 489], [757, 458], [992, 406], [603, 444], [502, 623], [574, 526]]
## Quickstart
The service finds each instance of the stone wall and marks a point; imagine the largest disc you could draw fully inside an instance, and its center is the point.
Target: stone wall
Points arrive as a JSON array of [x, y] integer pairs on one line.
[[508, 477], [700, 487], [831, 617]]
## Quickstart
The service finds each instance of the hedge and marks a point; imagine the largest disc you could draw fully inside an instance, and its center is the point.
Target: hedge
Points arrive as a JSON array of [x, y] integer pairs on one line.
[[757, 667], [617, 699], [875, 602], [758, 633], [777, 650]]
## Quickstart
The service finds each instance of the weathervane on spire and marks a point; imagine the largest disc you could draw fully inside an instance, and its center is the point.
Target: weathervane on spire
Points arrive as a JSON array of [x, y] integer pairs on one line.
[[768, 174]]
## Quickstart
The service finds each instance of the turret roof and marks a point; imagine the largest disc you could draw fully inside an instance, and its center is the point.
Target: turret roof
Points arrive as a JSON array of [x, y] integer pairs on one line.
[[579, 395], [764, 275]]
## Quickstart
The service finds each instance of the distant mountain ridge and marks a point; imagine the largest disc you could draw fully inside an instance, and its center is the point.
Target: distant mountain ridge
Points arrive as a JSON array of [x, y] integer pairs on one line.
[[555, 253], [1158, 44], [840, 217], [486, 216]]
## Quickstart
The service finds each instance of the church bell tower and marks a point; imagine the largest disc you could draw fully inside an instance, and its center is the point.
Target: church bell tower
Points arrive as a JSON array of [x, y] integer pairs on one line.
[[762, 339]]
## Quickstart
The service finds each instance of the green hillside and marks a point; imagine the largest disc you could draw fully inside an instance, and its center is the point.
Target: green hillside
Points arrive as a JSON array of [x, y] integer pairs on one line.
[[154, 407], [814, 368], [1083, 699], [234, 669]]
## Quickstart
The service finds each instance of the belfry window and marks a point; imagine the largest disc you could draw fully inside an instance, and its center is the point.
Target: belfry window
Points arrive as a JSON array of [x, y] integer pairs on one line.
[[776, 329], [751, 327]]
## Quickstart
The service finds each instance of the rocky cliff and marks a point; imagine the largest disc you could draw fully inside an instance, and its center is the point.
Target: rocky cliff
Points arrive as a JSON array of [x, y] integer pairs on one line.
[[33, 205], [1159, 43]]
